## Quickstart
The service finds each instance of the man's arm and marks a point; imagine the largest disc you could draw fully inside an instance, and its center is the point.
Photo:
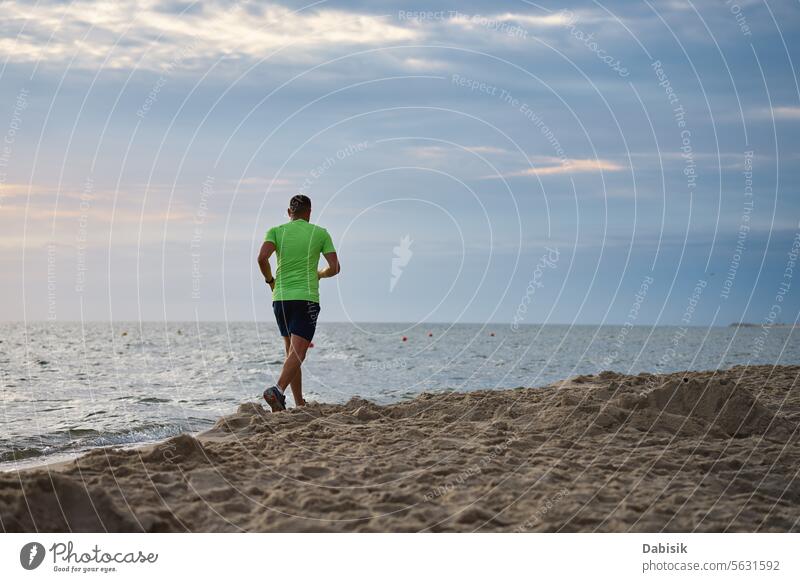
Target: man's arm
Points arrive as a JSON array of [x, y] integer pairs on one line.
[[263, 262], [333, 267]]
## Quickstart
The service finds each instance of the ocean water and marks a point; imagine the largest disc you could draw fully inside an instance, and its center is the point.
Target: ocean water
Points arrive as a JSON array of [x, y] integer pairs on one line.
[[69, 387]]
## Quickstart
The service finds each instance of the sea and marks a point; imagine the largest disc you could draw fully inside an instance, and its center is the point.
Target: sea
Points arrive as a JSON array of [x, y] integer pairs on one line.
[[66, 388]]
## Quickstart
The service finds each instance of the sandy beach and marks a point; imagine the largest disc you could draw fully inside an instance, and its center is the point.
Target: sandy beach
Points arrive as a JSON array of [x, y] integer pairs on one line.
[[699, 451]]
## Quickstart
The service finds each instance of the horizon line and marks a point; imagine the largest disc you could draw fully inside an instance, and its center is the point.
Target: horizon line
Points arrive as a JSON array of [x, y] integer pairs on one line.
[[502, 323]]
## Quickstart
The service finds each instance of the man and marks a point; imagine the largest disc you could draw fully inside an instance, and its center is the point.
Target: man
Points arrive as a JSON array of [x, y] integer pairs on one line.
[[295, 291]]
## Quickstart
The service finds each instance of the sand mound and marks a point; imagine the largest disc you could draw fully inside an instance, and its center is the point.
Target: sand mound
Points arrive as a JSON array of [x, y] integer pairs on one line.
[[248, 418], [178, 450], [685, 405], [718, 404], [58, 503], [700, 451]]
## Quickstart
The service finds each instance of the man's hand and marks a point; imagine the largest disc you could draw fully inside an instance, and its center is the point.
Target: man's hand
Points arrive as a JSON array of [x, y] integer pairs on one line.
[[263, 263], [333, 267]]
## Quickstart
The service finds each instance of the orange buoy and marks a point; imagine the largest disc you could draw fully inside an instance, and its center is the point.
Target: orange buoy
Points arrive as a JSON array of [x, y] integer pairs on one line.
[[405, 339], [491, 334], [430, 334]]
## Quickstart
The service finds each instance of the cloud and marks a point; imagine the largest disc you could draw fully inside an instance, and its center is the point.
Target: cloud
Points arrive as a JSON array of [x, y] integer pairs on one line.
[[487, 150], [49, 213], [553, 166], [542, 165], [133, 33], [415, 64], [152, 35], [10, 191], [432, 152], [472, 21], [786, 113]]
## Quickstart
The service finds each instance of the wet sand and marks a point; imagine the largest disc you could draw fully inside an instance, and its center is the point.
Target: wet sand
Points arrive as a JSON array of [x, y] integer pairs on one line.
[[696, 451]]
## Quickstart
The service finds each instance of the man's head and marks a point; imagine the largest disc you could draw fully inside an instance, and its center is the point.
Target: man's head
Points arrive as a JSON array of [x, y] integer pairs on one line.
[[300, 207]]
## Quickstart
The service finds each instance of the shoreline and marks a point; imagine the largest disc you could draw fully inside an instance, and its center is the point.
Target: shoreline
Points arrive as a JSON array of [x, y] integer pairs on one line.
[[687, 451]]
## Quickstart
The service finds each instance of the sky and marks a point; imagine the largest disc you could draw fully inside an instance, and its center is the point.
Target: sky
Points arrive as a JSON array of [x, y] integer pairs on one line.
[[616, 162]]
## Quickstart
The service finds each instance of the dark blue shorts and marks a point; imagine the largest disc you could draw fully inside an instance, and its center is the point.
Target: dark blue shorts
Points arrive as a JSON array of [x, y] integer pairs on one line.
[[296, 317]]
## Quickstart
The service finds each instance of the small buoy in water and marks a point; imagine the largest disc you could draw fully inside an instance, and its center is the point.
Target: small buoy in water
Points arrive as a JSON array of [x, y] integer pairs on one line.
[[491, 334], [311, 345], [180, 332], [124, 333], [405, 339], [430, 334]]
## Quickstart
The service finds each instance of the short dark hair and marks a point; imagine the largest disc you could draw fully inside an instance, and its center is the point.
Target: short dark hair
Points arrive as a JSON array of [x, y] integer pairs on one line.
[[299, 204]]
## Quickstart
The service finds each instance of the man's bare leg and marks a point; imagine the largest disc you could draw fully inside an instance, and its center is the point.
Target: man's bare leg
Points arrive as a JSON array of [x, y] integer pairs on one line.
[[298, 347], [297, 382]]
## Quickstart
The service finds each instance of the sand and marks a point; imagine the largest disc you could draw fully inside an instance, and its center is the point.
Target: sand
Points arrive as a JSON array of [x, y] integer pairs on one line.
[[700, 451]]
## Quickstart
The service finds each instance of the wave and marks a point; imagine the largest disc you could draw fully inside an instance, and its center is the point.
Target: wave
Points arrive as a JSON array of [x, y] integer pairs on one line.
[[75, 441]]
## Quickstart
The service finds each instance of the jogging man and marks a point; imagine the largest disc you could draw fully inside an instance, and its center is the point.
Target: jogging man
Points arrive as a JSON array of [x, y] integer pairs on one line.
[[295, 290]]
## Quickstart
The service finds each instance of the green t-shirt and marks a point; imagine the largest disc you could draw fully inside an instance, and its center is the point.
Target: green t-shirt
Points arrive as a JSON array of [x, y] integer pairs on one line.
[[298, 245]]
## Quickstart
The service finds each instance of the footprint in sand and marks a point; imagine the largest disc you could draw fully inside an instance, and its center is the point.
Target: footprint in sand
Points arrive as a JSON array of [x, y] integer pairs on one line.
[[314, 472]]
